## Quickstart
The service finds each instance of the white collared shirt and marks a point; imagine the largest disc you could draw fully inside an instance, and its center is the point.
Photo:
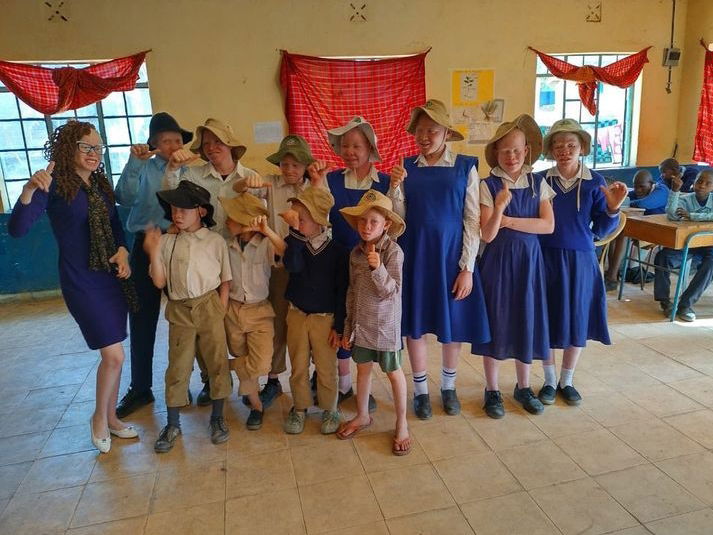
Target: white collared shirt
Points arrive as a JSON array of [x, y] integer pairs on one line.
[[250, 267], [194, 262], [351, 181], [471, 207], [319, 240], [568, 183], [522, 182], [205, 175]]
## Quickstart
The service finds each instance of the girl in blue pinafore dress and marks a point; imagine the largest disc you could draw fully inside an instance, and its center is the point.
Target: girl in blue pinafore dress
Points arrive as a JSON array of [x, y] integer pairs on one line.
[[355, 143], [436, 192], [585, 209], [515, 208]]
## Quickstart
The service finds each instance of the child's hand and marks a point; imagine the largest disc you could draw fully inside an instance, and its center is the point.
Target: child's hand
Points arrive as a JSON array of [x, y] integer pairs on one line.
[[152, 238], [142, 151], [334, 339], [346, 344], [398, 174], [682, 213], [172, 229], [463, 285], [615, 194], [259, 224], [121, 259], [292, 218], [503, 198], [372, 257], [180, 158], [317, 171], [676, 182], [256, 182]]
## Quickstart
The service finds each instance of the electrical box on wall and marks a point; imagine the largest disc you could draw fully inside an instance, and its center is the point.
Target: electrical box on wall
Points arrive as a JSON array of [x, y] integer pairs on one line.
[[671, 57]]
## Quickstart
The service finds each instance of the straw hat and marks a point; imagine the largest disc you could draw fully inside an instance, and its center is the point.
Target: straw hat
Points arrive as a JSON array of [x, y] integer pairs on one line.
[[335, 136], [223, 132], [318, 202], [187, 195], [567, 126], [379, 201], [524, 123], [437, 111], [295, 145], [243, 208]]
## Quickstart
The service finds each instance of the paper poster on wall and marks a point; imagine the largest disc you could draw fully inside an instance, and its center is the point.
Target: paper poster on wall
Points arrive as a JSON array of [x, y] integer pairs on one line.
[[268, 132], [474, 112]]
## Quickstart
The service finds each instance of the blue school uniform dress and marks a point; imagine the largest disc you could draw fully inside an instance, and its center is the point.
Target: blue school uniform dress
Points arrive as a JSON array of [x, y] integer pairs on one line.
[[435, 200], [576, 297], [513, 275]]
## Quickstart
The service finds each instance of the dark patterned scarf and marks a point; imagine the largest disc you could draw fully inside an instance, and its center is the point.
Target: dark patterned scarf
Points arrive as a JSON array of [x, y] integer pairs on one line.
[[102, 245]]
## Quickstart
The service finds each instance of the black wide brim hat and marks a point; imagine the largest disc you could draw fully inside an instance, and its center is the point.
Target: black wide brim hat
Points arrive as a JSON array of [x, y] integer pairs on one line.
[[187, 195], [163, 122]]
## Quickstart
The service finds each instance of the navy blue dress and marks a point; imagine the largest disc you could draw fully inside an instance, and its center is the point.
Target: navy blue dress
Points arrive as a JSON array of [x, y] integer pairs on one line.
[[576, 297], [432, 245], [94, 298], [513, 276]]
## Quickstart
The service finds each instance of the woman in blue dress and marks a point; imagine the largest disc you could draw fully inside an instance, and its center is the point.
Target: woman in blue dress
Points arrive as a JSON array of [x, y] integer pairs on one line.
[[514, 208], [436, 192], [355, 143], [93, 260], [585, 209]]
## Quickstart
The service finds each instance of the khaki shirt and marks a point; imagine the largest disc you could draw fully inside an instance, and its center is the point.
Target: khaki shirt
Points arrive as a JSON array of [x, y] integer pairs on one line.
[[276, 197], [374, 298], [195, 263], [250, 268]]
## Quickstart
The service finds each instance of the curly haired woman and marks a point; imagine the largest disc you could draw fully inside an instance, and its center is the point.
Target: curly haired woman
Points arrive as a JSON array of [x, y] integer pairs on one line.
[[93, 260]]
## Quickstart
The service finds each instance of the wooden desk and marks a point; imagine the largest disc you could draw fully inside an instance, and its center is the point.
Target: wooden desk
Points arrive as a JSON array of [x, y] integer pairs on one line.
[[659, 230]]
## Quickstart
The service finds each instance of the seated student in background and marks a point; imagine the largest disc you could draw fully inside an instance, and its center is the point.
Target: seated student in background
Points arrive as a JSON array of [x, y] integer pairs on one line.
[[695, 206], [670, 168], [650, 196]]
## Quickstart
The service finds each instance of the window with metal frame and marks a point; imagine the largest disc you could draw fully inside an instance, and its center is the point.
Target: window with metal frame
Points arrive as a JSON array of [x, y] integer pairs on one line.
[[122, 119], [611, 127]]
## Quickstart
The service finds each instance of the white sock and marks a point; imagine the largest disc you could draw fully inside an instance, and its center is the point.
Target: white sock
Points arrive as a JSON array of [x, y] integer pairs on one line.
[[345, 383], [448, 378], [566, 377], [550, 375], [420, 383]]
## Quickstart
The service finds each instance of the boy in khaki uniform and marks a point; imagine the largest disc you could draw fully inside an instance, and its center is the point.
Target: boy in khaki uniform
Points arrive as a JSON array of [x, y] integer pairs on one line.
[[193, 266], [249, 320], [319, 273]]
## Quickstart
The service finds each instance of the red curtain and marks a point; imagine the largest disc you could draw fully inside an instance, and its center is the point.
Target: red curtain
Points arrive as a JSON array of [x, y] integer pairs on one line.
[[703, 151], [51, 91], [326, 93], [622, 73]]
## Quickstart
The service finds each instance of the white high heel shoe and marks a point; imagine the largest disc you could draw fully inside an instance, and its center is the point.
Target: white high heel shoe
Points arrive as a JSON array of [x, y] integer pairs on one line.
[[102, 444], [127, 432]]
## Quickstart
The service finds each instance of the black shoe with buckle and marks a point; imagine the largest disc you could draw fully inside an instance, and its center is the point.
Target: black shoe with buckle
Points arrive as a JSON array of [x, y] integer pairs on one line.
[[167, 438], [203, 399], [133, 401], [526, 398], [254, 420], [451, 404], [219, 432], [493, 404], [269, 393], [569, 394], [422, 406]]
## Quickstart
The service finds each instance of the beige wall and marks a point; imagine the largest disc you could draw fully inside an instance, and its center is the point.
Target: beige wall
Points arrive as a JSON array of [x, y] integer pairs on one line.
[[221, 57]]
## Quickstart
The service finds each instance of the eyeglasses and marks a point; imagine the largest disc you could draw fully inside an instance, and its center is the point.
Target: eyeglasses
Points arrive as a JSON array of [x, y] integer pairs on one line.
[[86, 148]]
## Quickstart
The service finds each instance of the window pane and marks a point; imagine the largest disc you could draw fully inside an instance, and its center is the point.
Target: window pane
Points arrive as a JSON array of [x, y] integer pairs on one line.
[[118, 156], [57, 122], [29, 113], [571, 109], [143, 77], [117, 132], [591, 60], [14, 165], [609, 59], [548, 99], [87, 111], [139, 129], [35, 133], [540, 69], [14, 190], [114, 104], [8, 106], [37, 160], [69, 114], [11, 135], [574, 60], [138, 102]]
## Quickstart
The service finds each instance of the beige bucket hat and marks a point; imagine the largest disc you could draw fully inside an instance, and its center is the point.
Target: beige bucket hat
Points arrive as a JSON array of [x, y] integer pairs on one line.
[[567, 126], [379, 201], [533, 138], [223, 132], [318, 202], [335, 136], [243, 208], [437, 111]]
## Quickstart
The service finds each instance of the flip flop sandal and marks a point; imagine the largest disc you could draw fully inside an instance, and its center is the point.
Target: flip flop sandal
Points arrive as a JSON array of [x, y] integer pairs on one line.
[[341, 435], [398, 449]]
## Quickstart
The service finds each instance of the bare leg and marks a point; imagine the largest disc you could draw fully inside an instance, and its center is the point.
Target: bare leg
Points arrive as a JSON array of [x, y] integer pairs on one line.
[[551, 360], [491, 367], [363, 390], [343, 367], [417, 353], [571, 357], [108, 377], [398, 388], [255, 402], [616, 255], [523, 374]]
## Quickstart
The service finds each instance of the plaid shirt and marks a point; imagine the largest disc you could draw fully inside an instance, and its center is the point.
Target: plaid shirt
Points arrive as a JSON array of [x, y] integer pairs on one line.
[[374, 298]]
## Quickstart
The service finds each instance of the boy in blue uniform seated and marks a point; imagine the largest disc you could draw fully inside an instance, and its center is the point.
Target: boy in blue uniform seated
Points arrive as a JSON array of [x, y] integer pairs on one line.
[[670, 168], [695, 206]]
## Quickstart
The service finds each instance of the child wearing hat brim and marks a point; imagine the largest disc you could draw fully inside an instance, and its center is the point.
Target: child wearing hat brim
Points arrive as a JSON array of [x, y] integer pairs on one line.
[[585, 209], [319, 275], [372, 330], [292, 157], [249, 321], [194, 268], [442, 294], [515, 208], [136, 188], [356, 144]]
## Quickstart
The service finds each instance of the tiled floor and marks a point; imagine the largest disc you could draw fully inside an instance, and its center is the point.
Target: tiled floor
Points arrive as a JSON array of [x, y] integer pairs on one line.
[[635, 458]]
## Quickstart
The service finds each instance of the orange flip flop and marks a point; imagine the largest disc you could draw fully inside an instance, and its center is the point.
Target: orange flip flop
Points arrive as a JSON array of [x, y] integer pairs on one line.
[[401, 447], [341, 435]]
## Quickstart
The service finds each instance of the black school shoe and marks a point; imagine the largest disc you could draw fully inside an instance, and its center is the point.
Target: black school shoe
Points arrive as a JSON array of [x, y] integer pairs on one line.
[[493, 404], [254, 421], [570, 395], [133, 401], [422, 407], [269, 392], [167, 439], [219, 432], [526, 398], [203, 399], [451, 404], [547, 394]]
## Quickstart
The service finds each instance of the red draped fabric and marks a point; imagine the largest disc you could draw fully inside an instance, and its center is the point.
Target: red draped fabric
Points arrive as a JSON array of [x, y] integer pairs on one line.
[[51, 91], [326, 93], [703, 151], [622, 73]]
